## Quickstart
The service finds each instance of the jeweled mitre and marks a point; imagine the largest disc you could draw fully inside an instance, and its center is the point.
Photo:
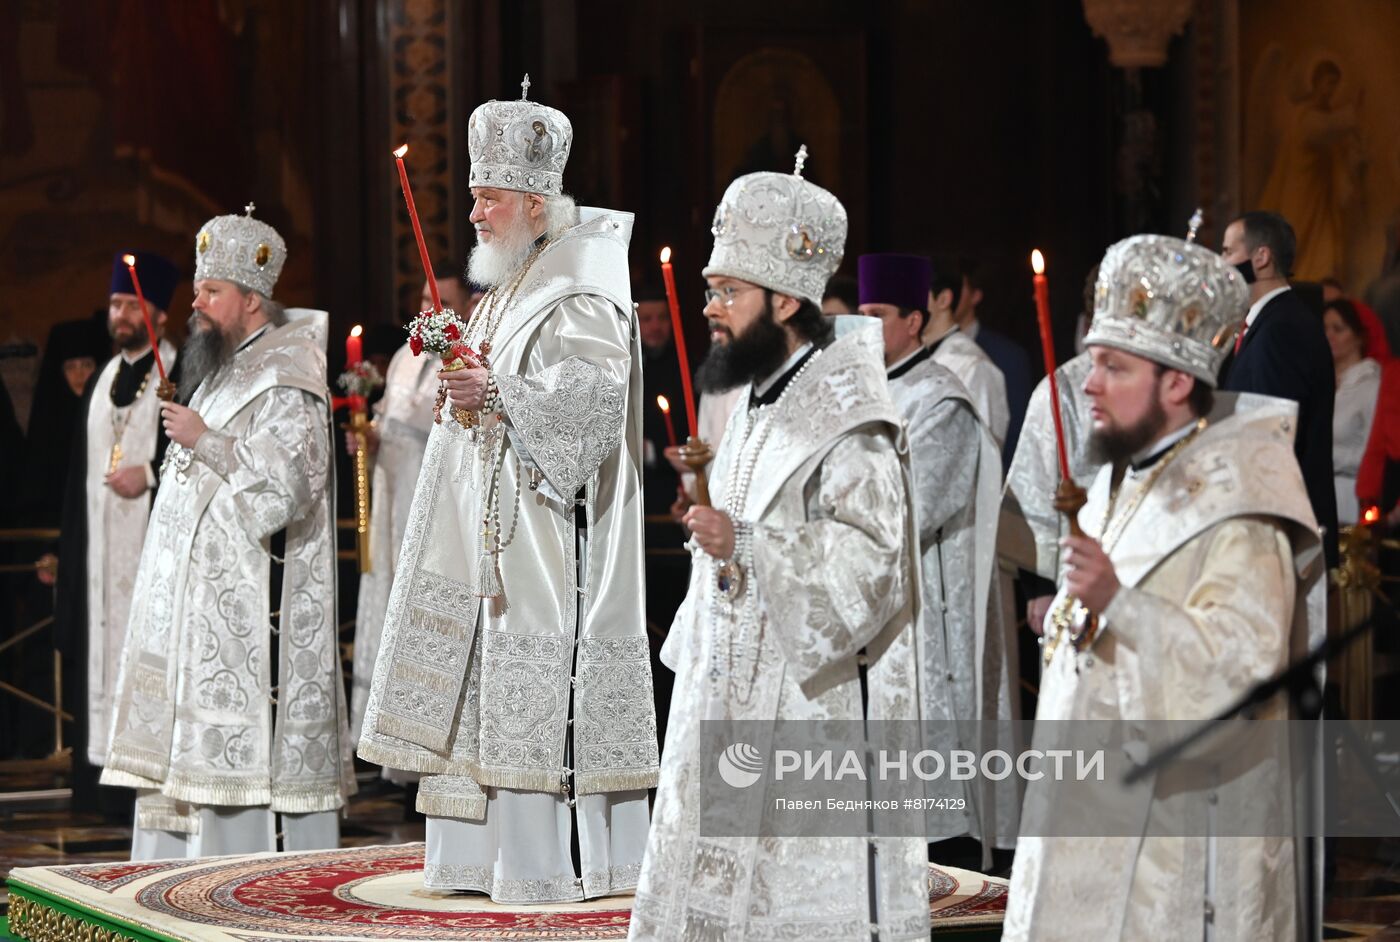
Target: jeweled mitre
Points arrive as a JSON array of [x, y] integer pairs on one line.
[[1171, 301], [779, 231], [240, 249], [519, 145]]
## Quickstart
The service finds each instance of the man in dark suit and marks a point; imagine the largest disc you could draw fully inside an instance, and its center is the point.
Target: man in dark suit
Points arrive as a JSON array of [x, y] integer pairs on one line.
[[1283, 352]]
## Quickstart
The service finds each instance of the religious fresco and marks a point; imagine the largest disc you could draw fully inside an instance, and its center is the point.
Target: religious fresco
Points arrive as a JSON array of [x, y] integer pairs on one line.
[[765, 95], [1320, 143], [768, 104]]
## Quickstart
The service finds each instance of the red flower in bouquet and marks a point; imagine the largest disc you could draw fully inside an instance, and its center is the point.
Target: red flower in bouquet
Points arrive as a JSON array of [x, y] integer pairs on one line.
[[439, 332]]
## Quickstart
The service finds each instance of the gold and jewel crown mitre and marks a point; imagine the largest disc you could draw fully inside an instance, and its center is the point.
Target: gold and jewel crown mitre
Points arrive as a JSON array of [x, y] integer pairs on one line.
[[1172, 301], [779, 231], [240, 249], [519, 145]]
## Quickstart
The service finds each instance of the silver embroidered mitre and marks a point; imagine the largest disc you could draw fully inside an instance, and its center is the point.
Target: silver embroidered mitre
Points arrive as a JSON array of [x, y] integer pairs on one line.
[[240, 249], [519, 145], [779, 231], [1171, 301]]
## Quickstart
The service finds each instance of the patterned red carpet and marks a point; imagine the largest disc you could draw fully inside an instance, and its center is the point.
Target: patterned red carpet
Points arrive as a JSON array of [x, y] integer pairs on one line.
[[358, 893]]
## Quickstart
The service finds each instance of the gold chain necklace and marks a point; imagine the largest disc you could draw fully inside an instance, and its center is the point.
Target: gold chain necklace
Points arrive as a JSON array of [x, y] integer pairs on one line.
[[123, 413], [491, 311], [1070, 617]]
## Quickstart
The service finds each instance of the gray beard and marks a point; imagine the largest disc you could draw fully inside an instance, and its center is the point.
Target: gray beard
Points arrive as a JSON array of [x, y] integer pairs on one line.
[[206, 350], [492, 264]]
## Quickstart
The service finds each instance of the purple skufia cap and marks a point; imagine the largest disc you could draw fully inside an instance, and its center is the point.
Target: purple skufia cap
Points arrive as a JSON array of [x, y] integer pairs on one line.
[[158, 275], [891, 278]]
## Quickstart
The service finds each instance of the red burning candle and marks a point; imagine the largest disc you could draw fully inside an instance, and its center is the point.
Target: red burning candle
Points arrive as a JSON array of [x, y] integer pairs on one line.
[[141, 298], [417, 229], [354, 346], [1047, 342], [670, 278], [664, 405]]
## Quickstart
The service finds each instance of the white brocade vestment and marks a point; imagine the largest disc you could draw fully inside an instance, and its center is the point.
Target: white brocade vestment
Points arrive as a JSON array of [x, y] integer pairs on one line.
[[967, 648], [831, 573], [534, 707], [196, 718], [982, 378], [404, 418], [116, 530], [1031, 527], [1222, 584]]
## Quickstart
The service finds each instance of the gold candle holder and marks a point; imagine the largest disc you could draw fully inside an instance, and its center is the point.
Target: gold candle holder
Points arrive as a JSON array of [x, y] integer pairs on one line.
[[697, 454], [359, 425]]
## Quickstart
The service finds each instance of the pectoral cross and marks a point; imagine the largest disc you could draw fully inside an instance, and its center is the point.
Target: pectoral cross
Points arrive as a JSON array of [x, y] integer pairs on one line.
[[115, 459]]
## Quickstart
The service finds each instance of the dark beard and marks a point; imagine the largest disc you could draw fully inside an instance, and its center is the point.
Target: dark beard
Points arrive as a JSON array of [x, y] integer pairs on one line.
[[133, 341], [752, 355], [1117, 446], [204, 352]]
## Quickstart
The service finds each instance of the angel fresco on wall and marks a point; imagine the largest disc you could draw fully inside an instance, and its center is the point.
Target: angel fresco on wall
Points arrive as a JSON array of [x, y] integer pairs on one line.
[[1304, 143]]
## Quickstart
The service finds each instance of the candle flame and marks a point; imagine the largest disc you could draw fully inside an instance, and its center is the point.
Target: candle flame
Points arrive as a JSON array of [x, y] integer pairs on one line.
[[1373, 513], [356, 330], [1037, 262], [664, 403], [130, 260], [666, 255], [401, 150]]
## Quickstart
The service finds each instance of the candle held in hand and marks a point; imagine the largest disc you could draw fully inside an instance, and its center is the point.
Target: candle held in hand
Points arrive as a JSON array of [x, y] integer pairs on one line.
[[354, 346], [668, 275], [417, 229], [664, 405], [130, 261], [1047, 343]]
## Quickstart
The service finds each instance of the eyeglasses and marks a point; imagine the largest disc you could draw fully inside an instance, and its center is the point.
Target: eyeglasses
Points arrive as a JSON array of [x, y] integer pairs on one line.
[[726, 294]]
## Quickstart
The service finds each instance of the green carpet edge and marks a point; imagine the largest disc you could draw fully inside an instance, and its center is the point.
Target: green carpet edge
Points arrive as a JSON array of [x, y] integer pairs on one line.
[[75, 910]]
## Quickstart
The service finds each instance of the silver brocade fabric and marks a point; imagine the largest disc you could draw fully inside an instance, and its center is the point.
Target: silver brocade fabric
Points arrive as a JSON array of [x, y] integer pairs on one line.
[[779, 231], [240, 249], [194, 711], [967, 648], [1174, 302], [832, 571], [1223, 584], [404, 418], [519, 145], [480, 690], [1031, 527]]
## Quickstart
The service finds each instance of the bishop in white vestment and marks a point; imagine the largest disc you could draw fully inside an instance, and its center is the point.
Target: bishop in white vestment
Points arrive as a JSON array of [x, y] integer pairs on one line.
[[216, 736], [967, 648], [803, 596], [1203, 563], [514, 667]]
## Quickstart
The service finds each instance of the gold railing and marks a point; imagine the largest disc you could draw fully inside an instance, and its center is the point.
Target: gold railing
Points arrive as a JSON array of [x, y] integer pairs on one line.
[[1359, 582]]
